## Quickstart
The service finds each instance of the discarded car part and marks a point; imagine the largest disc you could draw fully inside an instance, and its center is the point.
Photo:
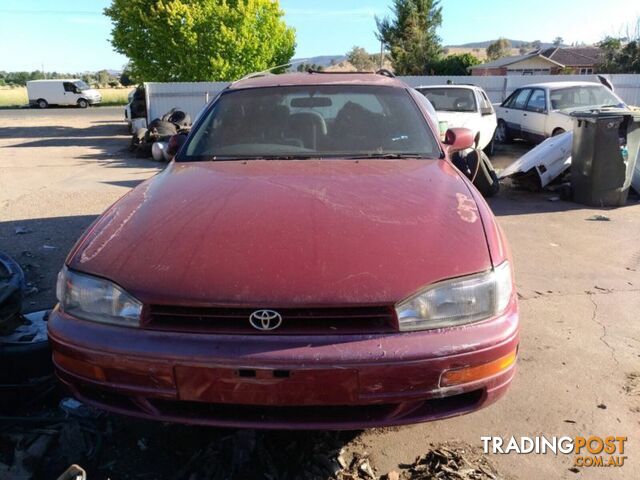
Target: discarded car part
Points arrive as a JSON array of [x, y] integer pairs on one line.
[[180, 119], [138, 138], [475, 164], [160, 129], [605, 149], [12, 285], [25, 353], [138, 123], [159, 151], [167, 116], [542, 164], [174, 145], [74, 472]]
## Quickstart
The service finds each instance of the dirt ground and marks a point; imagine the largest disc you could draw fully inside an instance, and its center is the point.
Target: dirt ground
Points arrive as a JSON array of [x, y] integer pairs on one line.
[[579, 288]]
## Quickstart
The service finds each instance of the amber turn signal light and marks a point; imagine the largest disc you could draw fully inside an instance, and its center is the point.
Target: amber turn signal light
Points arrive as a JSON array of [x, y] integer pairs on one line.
[[78, 367], [478, 372]]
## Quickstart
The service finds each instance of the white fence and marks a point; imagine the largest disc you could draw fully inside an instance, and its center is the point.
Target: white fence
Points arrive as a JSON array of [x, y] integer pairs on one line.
[[189, 97], [192, 97]]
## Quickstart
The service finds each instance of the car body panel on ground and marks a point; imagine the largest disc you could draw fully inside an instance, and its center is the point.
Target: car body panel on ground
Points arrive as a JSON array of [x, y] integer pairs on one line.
[[327, 246]]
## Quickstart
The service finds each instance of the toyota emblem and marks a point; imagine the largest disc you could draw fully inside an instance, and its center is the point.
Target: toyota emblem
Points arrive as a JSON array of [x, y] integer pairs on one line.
[[265, 320]]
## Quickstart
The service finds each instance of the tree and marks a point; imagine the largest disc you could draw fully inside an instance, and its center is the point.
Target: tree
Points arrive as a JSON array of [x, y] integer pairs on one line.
[[558, 41], [619, 57], [456, 64], [196, 40], [411, 35], [536, 44], [103, 77], [305, 67], [360, 59], [498, 49], [524, 48], [126, 79]]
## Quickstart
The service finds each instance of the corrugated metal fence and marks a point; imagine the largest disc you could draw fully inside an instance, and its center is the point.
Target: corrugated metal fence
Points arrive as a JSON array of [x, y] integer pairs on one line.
[[191, 97]]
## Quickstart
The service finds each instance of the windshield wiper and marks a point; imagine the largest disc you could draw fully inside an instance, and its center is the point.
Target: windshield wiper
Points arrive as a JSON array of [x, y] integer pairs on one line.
[[386, 155]]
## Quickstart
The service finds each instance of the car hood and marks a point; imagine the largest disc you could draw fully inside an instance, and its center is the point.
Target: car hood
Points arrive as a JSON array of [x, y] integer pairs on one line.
[[570, 110], [285, 233]]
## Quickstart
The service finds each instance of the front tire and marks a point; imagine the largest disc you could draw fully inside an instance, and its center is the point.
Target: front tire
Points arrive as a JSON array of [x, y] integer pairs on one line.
[[82, 103], [42, 103], [502, 134]]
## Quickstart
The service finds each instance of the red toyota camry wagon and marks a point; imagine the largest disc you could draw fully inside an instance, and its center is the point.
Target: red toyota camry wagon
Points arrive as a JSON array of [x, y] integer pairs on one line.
[[310, 259]]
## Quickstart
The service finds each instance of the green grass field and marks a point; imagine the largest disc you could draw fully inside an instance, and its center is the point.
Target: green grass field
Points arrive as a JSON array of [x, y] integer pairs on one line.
[[17, 97]]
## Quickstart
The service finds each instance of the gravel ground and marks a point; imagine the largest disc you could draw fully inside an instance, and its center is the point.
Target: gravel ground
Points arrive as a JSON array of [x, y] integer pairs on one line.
[[578, 281]]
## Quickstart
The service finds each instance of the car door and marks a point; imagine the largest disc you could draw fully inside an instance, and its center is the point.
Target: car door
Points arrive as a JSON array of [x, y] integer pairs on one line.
[[513, 111], [70, 95], [534, 117]]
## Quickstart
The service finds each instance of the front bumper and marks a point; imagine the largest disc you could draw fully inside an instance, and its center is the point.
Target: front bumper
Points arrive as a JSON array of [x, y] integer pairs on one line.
[[306, 382], [94, 101]]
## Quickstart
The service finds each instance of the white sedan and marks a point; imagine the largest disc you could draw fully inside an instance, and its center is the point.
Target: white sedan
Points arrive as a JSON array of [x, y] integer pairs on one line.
[[466, 106], [538, 111]]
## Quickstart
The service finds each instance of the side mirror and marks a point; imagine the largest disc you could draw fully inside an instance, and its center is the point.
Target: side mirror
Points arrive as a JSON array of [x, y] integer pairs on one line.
[[457, 139], [486, 111]]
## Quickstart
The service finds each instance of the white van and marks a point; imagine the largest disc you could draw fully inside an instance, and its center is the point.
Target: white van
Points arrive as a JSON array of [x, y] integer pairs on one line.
[[43, 93]]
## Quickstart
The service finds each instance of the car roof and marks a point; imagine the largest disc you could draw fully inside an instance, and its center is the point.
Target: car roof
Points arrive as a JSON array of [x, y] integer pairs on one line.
[[318, 78], [447, 86], [554, 85], [42, 80]]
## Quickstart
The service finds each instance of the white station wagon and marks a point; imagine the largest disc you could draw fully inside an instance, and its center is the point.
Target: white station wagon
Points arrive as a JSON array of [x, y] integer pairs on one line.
[[538, 111]]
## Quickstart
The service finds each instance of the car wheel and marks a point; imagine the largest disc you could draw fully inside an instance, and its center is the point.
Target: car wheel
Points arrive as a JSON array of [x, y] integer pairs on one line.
[[557, 131], [42, 103], [82, 103], [502, 134]]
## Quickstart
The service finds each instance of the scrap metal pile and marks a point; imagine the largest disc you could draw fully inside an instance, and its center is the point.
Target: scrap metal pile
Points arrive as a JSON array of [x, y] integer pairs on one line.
[[163, 137]]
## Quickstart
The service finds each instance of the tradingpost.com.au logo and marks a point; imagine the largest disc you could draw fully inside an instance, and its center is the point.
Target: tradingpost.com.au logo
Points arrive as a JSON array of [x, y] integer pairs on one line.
[[593, 451]]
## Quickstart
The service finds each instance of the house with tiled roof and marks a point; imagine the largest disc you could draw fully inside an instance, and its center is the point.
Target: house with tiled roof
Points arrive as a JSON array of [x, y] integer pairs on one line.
[[550, 61]]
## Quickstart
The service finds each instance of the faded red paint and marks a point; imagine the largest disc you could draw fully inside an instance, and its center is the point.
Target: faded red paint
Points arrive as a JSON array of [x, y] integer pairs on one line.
[[277, 234]]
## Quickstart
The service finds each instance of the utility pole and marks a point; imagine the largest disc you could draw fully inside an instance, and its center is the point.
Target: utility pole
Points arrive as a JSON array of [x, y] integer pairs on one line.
[[44, 75]]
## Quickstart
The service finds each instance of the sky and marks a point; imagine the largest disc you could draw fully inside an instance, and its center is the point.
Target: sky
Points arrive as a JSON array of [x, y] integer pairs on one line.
[[73, 36]]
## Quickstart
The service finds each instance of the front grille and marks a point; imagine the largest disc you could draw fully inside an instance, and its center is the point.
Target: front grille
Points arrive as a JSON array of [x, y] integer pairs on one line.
[[295, 321]]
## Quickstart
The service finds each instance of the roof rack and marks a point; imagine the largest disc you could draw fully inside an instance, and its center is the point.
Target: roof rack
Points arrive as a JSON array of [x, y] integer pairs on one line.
[[382, 71], [254, 75]]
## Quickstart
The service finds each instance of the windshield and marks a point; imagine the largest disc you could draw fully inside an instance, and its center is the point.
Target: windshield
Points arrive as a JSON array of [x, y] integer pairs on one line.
[[451, 99], [577, 97], [312, 121], [81, 85]]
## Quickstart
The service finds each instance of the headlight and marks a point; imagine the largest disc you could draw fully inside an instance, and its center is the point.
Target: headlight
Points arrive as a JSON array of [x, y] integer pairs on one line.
[[457, 301], [96, 299]]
